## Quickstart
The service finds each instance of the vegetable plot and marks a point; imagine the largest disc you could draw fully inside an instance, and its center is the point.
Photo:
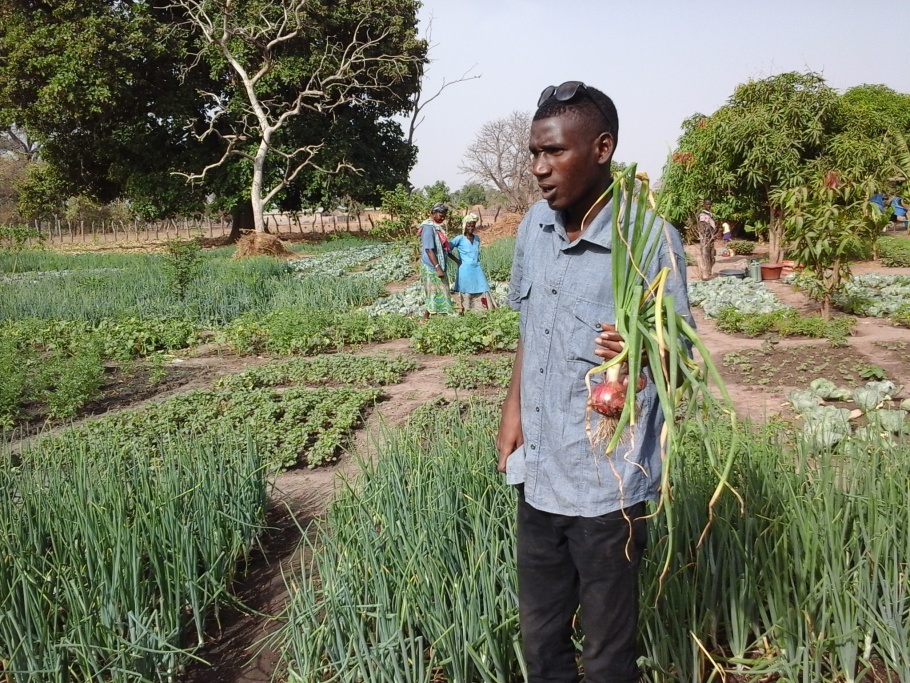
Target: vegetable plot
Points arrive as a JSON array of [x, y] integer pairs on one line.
[[656, 350]]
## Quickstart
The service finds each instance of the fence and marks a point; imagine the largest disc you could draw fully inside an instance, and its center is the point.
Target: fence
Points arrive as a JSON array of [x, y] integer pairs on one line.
[[63, 231]]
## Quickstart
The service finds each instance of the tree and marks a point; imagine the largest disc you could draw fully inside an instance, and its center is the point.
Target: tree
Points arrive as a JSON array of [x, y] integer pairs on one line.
[[827, 224], [471, 194], [107, 88], [773, 135], [295, 56], [499, 155], [97, 84]]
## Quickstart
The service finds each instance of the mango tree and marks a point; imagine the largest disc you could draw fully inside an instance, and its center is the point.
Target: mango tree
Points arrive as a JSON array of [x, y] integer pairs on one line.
[[778, 134], [826, 225]]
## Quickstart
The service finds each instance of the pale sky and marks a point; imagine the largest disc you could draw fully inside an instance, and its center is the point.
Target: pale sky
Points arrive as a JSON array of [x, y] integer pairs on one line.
[[660, 60]]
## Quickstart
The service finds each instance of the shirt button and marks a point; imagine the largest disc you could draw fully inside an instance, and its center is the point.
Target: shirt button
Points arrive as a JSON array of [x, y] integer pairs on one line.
[[541, 369], [546, 331], [554, 291], [537, 409], [533, 447], [598, 327]]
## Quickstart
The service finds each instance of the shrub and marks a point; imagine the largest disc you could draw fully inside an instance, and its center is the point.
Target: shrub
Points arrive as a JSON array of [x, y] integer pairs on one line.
[[894, 252], [67, 381], [741, 247]]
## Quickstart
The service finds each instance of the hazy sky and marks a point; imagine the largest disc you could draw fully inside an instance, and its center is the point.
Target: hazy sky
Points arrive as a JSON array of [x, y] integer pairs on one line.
[[660, 60]]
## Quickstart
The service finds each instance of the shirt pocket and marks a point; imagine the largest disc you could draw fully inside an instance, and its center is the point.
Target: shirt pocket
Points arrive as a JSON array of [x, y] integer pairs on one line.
[[586, 324]]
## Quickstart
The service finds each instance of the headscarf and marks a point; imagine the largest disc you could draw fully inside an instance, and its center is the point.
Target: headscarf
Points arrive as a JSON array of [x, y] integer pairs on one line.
[[469, 218]]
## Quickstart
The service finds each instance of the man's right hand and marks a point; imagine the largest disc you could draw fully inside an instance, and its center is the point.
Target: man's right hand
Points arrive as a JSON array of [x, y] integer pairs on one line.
[[510, 436]]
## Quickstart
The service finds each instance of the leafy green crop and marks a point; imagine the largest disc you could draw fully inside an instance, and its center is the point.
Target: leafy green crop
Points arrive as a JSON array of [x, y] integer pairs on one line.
[[473, 372], [785, 322], [496, 330], [307, 331], [341, 367], [297, 425], [894, 252], [741, 247]]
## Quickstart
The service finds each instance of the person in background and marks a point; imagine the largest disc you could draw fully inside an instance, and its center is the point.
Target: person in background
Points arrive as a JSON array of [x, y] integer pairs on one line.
[[899, 211], [580, 530], [707, 226], [434, 254], [470, 283]]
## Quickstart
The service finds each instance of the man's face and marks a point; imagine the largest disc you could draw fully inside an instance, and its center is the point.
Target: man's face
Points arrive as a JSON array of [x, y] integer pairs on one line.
[[438, 217], [569, 162]]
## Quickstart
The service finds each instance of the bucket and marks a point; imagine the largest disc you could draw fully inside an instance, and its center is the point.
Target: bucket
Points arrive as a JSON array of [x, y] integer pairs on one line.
[[771, 271], [732, 272]]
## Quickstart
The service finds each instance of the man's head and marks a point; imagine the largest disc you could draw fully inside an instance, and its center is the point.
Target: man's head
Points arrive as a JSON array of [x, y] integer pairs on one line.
[[707, 204], [573, 137], [439, 212]]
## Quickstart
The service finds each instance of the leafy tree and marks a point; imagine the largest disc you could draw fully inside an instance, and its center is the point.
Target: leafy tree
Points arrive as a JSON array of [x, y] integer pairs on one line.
[[98, 84], [773, 135], [405, 209], [471, 194], [115, 108], [827, 224], [437, 192], [288, 58]]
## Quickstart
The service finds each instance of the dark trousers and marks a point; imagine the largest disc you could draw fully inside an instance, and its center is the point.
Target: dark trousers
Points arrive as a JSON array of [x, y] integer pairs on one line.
[[567, 562]]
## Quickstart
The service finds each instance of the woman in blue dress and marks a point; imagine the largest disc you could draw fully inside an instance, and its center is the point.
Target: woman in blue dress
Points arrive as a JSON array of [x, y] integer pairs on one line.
[[470, 283]]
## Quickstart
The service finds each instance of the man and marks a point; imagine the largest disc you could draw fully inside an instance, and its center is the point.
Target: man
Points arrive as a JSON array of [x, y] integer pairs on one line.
[[434, 248], [580, 526]]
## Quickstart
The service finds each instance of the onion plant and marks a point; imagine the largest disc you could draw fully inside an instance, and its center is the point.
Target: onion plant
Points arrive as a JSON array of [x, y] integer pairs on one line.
[[113, 561], [657, 347], [413, 573]]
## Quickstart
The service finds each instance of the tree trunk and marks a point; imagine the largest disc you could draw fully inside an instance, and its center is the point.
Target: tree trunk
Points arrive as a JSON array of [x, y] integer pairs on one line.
[[241, 219], [706, 237], [706, 261]]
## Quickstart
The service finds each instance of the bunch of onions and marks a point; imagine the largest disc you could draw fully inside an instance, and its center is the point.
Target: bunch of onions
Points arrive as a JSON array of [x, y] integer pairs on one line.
[[656, 339]]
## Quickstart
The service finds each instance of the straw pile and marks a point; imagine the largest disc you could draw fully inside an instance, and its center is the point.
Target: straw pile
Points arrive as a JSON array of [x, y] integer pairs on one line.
[[262, 244]]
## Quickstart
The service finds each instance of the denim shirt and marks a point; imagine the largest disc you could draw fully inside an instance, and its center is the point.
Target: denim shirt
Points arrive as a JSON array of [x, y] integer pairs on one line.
[[563, 292]]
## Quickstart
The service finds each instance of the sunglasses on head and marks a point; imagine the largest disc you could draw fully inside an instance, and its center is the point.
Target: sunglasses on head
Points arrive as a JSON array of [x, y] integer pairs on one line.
[[567, 91]]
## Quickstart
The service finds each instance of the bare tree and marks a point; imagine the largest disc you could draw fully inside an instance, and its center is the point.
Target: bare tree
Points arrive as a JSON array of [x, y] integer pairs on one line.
[[499, 154], [338, 73]]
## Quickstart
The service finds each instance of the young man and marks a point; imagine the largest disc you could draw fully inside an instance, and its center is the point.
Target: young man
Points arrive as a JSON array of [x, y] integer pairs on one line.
[[580, 525]]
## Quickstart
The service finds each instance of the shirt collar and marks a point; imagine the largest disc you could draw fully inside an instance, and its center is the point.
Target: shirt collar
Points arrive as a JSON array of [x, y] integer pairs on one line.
[[599, 230]]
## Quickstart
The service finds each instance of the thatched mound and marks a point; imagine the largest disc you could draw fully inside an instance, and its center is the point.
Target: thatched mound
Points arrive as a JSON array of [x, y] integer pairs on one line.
[[262, 244]]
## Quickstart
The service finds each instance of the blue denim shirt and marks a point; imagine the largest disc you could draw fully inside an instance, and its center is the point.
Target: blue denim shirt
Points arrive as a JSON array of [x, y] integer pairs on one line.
[[563, 292]]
